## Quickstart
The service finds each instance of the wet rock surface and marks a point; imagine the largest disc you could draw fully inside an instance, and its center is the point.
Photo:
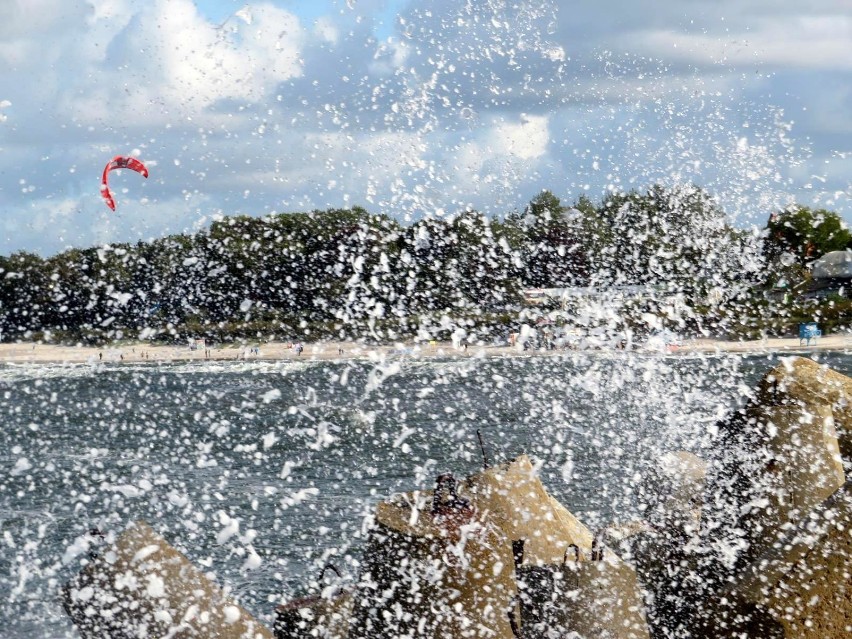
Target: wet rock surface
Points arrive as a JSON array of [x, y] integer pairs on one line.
[[141, 586]]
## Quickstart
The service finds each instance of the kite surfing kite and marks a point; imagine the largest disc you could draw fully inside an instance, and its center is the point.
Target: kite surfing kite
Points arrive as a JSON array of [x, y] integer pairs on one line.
[[119, 162]]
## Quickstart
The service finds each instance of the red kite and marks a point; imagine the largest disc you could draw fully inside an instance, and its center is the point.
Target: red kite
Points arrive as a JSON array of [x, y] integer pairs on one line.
[[119, 162]]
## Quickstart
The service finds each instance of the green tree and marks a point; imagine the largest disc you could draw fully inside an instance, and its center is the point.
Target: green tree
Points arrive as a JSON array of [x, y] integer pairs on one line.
[[554, 252], [485, 266], [804, 233], [23, 294], [667, 237]]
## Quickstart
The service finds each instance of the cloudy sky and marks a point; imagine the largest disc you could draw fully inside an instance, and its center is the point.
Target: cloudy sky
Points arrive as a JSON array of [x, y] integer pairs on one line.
[[411, 107]]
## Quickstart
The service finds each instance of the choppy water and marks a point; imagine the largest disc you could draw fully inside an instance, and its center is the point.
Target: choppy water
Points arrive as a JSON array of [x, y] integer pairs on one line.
[[300, 453]]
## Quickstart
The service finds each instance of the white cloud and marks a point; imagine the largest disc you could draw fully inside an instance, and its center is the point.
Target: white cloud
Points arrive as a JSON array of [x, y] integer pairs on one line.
[[118, 65], [327, 30], [168, 63], [806, 41], [526, 139], [467, 103], [27, 21], [389, 56]]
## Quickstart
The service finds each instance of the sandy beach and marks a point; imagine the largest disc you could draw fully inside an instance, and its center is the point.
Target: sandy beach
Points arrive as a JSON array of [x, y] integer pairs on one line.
[[19, 353]]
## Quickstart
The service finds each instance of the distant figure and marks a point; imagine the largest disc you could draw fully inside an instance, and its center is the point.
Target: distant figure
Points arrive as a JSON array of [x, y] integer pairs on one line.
[[100, 356], [299, 349]]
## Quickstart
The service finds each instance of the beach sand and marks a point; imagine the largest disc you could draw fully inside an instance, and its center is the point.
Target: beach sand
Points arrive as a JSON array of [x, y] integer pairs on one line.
[[19, 353]]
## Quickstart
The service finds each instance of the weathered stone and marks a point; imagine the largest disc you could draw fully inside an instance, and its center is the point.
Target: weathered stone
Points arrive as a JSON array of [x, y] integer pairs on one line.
[[799, 587], [434, 571], [323, 616], [598, 599], [813, 599], [430, 582], [813, 384], [513, 499], [658, 547], [142, 587], [778, 533], [674, 492], [779, 458]]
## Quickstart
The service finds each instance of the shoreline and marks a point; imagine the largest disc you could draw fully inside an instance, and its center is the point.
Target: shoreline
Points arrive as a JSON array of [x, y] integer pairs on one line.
[[35, 353]]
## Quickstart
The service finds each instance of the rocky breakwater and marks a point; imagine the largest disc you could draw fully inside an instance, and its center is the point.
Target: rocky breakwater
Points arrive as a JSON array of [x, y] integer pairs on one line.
[[491, 555], [752, 542], [142, 587], [757, 542]]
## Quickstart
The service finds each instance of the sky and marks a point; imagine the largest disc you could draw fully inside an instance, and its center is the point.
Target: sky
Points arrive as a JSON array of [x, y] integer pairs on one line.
[[411, 108]]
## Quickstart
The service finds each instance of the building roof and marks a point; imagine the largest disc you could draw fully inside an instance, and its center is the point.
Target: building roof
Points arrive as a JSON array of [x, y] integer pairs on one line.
[[836, 264]]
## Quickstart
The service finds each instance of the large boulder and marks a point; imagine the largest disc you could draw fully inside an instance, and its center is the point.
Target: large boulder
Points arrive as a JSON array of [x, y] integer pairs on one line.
[[799, 379], [443, 563], [595, 596], [774, 538], [142, 587], [799, 588], [779, 457], [811, 598], [325, 614], [661, 547], [673, 492]]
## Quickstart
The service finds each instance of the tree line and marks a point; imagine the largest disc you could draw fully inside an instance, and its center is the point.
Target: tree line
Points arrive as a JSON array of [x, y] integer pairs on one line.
[[350, 273]]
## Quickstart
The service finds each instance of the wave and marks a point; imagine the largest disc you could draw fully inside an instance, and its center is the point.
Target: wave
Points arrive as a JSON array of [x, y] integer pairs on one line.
[[31, 371]]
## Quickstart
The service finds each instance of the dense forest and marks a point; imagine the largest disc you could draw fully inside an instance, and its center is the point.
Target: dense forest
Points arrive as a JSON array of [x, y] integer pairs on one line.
[[347, 273]]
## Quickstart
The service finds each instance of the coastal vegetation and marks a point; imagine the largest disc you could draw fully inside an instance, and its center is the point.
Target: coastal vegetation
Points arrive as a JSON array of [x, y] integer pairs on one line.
[[348, 273]]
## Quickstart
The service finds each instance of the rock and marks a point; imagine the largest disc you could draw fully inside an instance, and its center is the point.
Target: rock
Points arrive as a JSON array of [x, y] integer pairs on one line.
[[326, 615], [780, 457], [812, 599], [674, 492], [775, 531], [804, 380], [599, 598], [659, 547], [777, 462], [442, 563], [142, 587], [799, 587]]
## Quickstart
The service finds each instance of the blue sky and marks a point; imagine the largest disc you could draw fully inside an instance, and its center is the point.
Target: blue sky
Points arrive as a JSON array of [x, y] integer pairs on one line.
[[410, 108], [383, 11]]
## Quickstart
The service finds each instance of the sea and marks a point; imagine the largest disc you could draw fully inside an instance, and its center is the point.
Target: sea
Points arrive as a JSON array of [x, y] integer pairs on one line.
[[264, 472]]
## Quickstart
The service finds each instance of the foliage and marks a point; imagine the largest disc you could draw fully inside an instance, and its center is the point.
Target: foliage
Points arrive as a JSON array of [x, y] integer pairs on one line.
[[348, 273], [804, 234]]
